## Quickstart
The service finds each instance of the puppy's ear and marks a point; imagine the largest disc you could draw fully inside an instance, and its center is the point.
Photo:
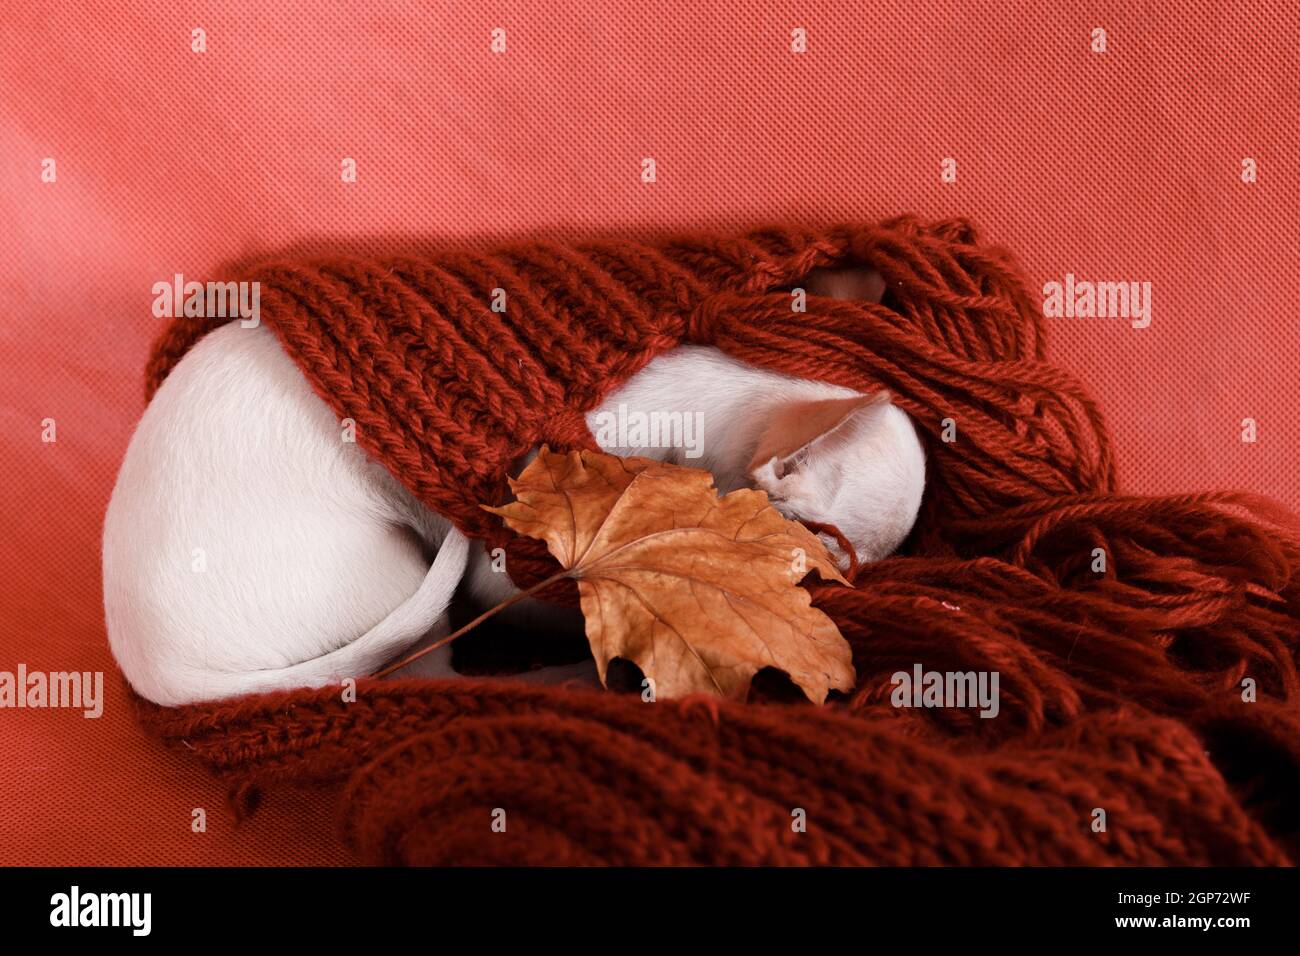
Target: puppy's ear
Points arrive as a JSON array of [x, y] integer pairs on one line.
[[855, 282], [799, 429]]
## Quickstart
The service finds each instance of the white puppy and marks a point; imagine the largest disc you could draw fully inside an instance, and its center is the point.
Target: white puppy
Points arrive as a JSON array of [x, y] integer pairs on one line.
[[248, 547]]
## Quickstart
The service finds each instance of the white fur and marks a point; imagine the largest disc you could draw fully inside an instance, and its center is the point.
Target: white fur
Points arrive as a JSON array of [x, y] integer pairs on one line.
[[247, 547]]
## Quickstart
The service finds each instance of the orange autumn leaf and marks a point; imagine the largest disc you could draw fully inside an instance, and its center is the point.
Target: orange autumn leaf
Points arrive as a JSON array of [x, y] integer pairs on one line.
[[700, 592]]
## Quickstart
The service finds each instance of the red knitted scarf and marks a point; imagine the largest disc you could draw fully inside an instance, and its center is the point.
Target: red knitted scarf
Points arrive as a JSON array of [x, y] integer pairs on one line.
[[1121, 691]]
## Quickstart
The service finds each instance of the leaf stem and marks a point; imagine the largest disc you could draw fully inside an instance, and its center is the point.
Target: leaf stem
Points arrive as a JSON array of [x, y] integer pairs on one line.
[[528, 592]]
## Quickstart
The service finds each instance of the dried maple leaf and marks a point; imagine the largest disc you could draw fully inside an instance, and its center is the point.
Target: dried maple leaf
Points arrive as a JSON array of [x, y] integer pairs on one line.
[[700, 592]]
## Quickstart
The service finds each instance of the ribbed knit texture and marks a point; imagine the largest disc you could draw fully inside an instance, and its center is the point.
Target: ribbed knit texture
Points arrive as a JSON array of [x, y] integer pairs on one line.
[[1119, 690]]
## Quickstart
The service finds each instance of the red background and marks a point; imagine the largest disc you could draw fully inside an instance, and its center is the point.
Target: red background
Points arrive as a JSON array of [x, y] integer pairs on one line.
[[1120, 166]]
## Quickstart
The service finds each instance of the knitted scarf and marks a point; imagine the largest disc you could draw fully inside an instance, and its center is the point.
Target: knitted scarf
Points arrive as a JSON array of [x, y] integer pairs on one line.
[[1128, 732]]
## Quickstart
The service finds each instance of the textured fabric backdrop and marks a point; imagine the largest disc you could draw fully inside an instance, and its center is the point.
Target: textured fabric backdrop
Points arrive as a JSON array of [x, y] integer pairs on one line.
[[1123, 165]]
